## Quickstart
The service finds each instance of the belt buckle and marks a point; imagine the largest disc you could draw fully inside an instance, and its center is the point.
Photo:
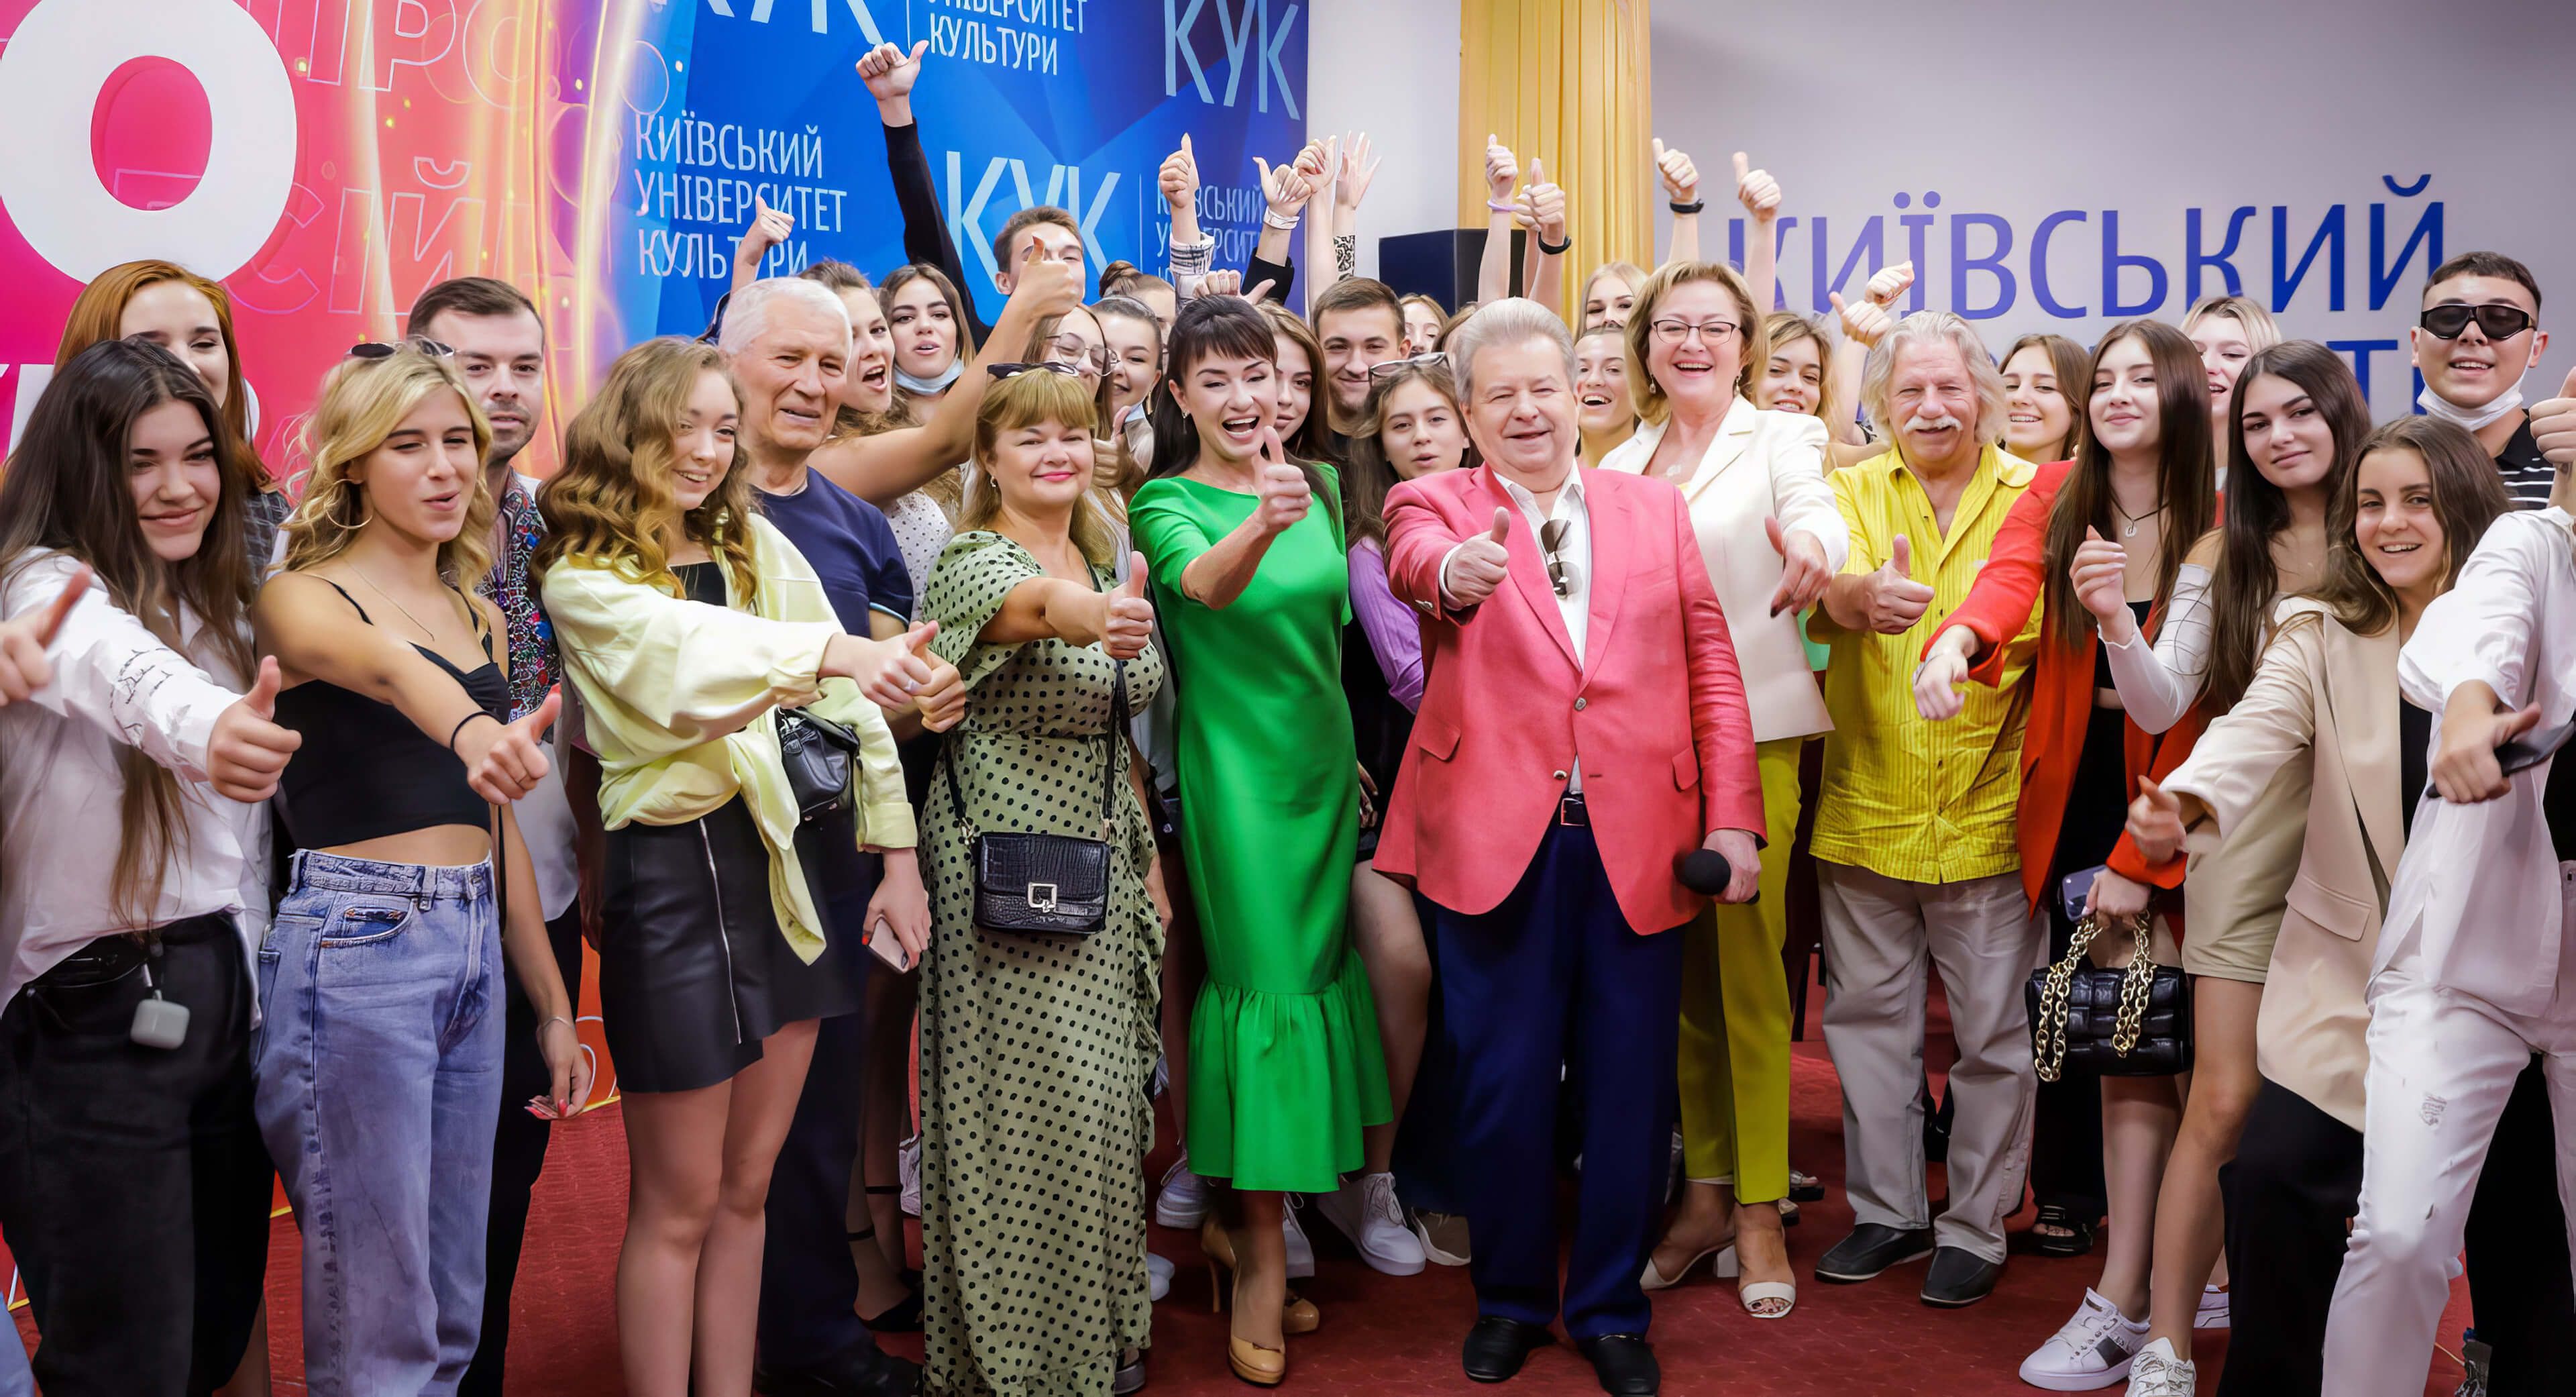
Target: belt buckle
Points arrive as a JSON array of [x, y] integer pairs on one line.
[[1571, 805]]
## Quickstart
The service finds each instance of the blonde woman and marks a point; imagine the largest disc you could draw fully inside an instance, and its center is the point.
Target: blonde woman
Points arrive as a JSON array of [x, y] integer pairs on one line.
[[379, 1066], [1772, 538], [684, 619], [2228, 331]]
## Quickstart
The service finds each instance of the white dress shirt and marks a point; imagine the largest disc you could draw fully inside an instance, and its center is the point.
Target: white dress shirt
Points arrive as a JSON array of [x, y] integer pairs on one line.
[[115, 685], [1574, 604]]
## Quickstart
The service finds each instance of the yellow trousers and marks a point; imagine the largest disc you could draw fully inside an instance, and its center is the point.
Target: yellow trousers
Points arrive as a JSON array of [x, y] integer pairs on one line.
[[1734, 1070]]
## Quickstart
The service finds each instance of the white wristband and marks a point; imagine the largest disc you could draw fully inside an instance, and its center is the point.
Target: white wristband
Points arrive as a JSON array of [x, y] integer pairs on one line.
[[1284, 222]]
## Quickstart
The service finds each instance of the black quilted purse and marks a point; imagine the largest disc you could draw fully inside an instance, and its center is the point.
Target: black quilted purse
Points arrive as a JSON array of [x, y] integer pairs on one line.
[[2131, 1022], [1046, 884]]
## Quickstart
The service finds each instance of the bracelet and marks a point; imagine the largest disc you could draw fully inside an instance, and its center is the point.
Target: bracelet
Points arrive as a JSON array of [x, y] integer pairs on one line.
[[1346, 254], [556, 1019], [1552, 249], [460, 727], [1284, 222], [1502, 206], [1693, 206]]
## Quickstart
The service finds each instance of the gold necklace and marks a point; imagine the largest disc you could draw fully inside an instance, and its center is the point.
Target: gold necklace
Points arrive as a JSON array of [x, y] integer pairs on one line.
[[378, 589]]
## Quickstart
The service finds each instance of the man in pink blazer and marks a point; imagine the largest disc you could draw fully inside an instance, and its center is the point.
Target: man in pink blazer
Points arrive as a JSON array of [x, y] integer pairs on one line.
[[1582, 727]]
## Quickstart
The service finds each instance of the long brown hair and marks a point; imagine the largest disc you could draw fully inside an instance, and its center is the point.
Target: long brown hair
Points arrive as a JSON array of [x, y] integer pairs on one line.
[[2468, 496], [1311, 441], [911, 272], [611, 503], [2066, 359], [2183, 483], [98, 313], [65, 490], [2246, 582], [1369, 476]]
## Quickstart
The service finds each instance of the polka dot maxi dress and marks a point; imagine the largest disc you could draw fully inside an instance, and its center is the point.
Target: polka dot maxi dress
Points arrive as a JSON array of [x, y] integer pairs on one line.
[[1036, 1051]]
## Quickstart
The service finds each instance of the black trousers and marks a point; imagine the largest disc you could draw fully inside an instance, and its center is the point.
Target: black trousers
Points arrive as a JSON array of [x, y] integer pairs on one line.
[[518, 1157], [2295, 1179], [2519, 1284], [133, 1186]]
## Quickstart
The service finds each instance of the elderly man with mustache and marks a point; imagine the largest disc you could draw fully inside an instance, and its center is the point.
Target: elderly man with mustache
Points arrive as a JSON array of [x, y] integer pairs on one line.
[[1914, 839]]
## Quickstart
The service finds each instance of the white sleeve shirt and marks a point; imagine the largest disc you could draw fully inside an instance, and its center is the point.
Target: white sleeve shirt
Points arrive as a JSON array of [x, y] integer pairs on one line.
[[1574, 603]]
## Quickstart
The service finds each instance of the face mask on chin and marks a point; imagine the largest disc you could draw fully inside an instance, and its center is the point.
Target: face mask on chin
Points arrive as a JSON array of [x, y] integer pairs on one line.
[[2473, 419], [936, 383]]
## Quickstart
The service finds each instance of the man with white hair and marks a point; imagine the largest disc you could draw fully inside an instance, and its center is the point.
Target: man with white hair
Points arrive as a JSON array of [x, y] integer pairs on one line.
[[1914, 840], [1582, 731]]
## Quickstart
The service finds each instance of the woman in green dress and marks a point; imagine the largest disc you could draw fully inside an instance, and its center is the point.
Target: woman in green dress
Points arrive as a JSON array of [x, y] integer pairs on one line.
[[1037, 1051], [1253, 589]]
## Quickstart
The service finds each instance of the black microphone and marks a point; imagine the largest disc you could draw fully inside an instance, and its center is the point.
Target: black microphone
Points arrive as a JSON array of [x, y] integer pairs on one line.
[[1704, 871]]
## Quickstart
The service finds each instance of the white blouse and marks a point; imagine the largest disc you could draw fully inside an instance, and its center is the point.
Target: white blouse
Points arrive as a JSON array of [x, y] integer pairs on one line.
[[115, 685], [2158, 683]]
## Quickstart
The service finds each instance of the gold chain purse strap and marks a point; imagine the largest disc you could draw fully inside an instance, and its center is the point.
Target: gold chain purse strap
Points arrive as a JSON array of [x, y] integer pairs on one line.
[[2049, 1040]]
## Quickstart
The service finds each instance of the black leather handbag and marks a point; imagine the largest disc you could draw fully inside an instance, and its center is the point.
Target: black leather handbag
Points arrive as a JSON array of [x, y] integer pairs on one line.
[[2131, 1022], [1046, 884], [819, 755]]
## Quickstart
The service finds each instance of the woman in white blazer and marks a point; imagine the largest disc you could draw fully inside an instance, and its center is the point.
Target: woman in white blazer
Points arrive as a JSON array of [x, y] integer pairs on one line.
[[1772, 539]]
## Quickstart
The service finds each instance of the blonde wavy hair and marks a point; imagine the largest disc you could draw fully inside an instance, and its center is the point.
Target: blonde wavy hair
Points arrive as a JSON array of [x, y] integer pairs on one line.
[[364, 401], [1028, 400], [1752, 333], [611, 505]]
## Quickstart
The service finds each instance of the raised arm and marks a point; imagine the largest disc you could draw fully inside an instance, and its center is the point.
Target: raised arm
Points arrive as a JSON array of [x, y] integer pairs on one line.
[[1358, 168], [1120, 621], [890, 74], [2158, 682], [1543, 207], [1760, 195], [1191, 250], [769, 227], [1494, 269], [1214, 572], [1680, 178]]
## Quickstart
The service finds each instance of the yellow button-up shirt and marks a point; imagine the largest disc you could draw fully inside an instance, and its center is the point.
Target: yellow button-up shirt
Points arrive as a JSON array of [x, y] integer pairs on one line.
[[677, 700], [1905, 798]]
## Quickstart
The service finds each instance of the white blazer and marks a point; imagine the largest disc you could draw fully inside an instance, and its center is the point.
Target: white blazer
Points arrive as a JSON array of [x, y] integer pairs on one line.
[[1761, 465], [2477, 897]]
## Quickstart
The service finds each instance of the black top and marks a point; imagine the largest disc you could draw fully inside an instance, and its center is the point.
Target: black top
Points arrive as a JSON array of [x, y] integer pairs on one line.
[[703, 582], [365, 772], [2528, 476], [2558, 804], [2414, 758], [2102, 653]]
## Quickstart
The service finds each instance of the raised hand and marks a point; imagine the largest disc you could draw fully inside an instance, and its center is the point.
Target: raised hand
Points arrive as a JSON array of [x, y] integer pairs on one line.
[[23, 666], [1543, 205], [1285, 495], [890, 672], [2155, 822], [2100, 573], [1127, 626], [2553, 425], [1047, 287], [247, 751], [1179, 177], [890, 72], [1889, 283], [942, 700], [769, 227], [1479, 565], [1680, 176], [504, 761], [1316, 158], [2465, 769], [1756, 190], [1896, 600], [1286, 188], [1502, 172], [1803, 574], [1358, 167], [1865, 322]]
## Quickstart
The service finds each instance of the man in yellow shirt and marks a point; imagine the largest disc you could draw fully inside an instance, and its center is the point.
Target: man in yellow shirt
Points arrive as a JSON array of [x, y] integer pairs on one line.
[[1914, 836]]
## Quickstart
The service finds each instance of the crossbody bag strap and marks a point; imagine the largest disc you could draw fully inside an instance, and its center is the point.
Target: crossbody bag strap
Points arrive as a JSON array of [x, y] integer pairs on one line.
[[1117, 737]]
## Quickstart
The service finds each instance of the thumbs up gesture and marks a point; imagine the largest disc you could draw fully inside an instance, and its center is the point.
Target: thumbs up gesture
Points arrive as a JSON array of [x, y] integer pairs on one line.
[[247, 750], [2100, 573], [1865, 322], [2553, 425], [504, 761], [890, 672], [1543, 205], [769, 227], [1502, 171], [890, 72], [1127, 617], [2156, 822], [1803, 574], [23, 666], [1479, 565], [1896, 600], [942, 697], [1048, 288], [1179, 178], [1889, 283], [1680, 176], [1756, 190], [1285, 495]]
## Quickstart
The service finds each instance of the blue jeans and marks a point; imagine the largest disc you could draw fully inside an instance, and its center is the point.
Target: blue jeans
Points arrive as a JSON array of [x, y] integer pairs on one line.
[[379, 1079]]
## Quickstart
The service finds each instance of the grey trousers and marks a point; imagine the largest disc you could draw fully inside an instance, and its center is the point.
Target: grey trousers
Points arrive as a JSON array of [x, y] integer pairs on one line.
[[1880, 935]]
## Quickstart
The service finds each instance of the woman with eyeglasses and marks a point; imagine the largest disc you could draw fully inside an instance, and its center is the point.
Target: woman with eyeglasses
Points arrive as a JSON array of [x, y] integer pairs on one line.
[[1252, 588], [379, 1067], [1772, 538]]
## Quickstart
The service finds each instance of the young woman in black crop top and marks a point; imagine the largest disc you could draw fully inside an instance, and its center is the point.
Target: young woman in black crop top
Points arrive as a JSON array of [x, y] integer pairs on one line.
[[379, 1069]]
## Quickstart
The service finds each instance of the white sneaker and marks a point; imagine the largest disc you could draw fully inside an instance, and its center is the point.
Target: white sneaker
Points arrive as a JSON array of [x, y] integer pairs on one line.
[[1301, 1253], [1183, 1201], [1366, 1212], [907, 1161], [2093, 1350], [1158, 1277], [2157, 1373], [2213, 1308]]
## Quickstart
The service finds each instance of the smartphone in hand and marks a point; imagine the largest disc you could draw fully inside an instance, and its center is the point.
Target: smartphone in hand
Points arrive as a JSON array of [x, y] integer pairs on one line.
[[888, 948]]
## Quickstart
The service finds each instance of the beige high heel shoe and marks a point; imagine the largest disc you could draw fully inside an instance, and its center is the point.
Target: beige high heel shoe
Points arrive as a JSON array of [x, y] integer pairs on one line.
[[1297, 1316]]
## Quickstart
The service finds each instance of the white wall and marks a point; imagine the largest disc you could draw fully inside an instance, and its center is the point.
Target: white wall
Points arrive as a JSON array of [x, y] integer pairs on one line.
[[1390, 68], [2022, 109]]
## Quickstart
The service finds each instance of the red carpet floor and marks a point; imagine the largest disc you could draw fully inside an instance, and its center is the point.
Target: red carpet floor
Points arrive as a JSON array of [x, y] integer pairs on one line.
[[1384, 1336]]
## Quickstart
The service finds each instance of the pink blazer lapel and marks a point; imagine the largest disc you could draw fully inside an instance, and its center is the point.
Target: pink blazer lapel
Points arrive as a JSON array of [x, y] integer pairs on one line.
[[1529, 564]]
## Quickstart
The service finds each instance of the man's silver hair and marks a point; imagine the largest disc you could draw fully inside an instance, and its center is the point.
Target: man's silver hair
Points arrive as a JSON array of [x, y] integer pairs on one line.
[[1880, 373], [747, 314], [1511, 321]]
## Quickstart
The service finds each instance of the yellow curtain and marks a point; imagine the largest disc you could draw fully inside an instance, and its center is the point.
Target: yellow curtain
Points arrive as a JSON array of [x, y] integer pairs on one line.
[[1568, 82]]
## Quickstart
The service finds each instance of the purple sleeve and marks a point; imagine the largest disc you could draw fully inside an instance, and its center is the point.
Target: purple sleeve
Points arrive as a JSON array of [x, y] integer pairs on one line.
[[1394, 633]]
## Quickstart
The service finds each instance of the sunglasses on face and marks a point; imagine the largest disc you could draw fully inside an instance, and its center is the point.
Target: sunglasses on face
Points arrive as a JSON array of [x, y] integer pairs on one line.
[[1002, 372], [375, 349], [2496, 322], [1392, 367]]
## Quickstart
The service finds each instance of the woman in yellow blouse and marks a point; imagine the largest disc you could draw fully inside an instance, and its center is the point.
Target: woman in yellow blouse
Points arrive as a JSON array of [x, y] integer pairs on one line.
[[684, 619]]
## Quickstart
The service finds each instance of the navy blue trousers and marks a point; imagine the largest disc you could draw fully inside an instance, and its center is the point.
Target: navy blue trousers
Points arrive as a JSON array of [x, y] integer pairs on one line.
[[1554, 978], [1424, 1140]]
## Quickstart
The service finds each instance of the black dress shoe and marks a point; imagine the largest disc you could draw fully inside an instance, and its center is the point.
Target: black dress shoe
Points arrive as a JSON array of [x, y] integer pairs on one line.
[[1959, 1278], [1496, 1347], [865, 1371], [1625, 1363], [1871, 1249]]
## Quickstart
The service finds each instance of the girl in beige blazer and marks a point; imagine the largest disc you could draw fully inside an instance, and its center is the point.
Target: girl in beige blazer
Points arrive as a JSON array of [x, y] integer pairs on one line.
[[2324, 706]]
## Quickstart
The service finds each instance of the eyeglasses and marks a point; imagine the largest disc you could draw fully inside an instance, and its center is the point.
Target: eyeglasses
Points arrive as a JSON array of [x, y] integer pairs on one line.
[[1002, 372], [1093, 357], [1560, 573], [1392, 367], [1677, 331], [376, 349], [2496, 322]]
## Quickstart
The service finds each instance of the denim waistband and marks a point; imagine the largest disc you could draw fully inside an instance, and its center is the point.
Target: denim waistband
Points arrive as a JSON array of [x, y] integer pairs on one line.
[[420, 882]]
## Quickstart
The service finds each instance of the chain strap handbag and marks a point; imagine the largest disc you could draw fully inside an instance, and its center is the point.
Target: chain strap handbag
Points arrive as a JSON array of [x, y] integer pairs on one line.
[[2131, 1022], [1046, 884]]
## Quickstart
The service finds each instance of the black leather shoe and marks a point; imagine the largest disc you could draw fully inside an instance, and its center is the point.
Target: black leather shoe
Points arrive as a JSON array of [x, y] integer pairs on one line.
[[860, 1372], [1625, 1363], [1871, 1249], [1497, 1347], [1959, 1278]]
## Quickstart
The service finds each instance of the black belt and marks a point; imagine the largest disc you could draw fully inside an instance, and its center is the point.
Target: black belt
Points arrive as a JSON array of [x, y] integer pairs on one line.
[[1570, 811], [115, 956]]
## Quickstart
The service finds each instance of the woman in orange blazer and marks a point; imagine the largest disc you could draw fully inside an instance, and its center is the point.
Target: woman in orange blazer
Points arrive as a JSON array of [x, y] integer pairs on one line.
[[2119, 519]]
